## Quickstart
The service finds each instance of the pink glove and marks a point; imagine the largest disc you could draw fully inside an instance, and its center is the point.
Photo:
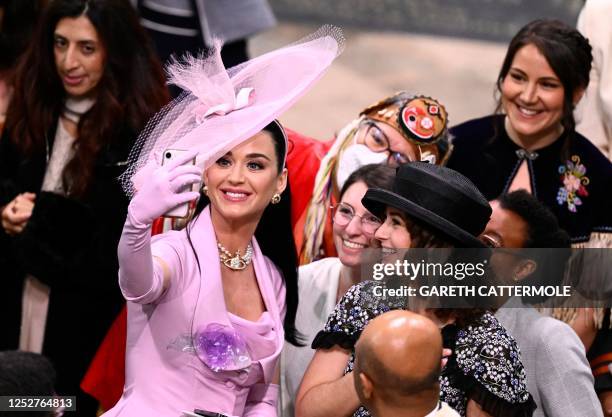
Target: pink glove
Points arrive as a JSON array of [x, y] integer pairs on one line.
[[261, 401], [160, 192], [139, 280]]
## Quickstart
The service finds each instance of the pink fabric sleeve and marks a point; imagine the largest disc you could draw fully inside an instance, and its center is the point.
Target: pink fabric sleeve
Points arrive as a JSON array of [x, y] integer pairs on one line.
[[261, 401], [140, 277]]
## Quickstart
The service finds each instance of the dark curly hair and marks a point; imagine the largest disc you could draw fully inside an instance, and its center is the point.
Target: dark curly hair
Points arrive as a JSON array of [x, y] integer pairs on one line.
[[567, 52], [26, 373], [543, 230], [552, 244], [131, 90]]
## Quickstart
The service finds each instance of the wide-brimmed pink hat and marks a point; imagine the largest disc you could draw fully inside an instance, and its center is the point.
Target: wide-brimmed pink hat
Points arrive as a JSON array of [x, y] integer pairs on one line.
[[221, 108]]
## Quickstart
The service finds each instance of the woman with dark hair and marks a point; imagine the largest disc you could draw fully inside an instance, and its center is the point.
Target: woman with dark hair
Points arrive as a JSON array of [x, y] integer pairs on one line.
[[430, 207], [87, 84], [534, 146], [210, 306], [323, 283], [230, 322]]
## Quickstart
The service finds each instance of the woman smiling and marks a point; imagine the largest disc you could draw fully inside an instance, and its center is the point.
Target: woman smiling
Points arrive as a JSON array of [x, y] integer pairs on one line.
[[323, 283], [452, 216], [210, 306], [533, 145], [85, 87]]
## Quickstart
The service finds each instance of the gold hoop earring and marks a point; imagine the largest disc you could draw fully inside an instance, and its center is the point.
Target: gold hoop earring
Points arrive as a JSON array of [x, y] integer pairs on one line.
[[205, 190], [276, 198]]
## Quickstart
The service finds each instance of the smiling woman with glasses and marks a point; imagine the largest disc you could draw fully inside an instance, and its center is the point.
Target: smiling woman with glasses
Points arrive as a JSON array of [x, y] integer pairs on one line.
[[483, 369], [322, 283], [344, 214], [396, 130]]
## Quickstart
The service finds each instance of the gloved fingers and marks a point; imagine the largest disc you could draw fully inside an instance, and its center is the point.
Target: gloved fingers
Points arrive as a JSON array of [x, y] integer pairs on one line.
[[143, 175], [179, 184], [184, 169], [182, 198], [181, 160], [165, 187]]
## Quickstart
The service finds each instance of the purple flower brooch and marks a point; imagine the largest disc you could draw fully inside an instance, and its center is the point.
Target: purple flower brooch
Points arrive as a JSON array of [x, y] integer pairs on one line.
[[220, 347]]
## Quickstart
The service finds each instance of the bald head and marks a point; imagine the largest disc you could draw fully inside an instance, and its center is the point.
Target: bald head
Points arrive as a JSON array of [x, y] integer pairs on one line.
[[400, 353]]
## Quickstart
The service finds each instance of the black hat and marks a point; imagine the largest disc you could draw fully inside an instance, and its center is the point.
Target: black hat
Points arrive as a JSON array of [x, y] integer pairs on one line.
[[439, 197]]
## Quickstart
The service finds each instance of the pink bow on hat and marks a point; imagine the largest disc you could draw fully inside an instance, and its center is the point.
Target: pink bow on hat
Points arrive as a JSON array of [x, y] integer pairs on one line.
[[243, 99], [218, 109]]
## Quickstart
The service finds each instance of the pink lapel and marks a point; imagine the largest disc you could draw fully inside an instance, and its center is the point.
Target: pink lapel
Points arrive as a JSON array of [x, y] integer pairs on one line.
[[210, 306]]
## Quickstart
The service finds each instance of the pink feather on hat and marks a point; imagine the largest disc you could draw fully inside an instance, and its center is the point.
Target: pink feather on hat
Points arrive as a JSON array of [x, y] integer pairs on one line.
[[220, 108]]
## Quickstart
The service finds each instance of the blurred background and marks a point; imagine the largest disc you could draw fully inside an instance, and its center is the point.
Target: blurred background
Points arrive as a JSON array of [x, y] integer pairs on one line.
[[448, 49]]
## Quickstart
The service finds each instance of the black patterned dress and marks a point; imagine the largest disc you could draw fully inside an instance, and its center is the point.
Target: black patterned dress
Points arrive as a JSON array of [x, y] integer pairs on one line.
[[485, 364]]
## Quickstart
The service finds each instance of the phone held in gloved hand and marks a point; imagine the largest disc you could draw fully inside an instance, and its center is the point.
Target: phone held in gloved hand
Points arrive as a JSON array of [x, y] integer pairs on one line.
[[183, 210]]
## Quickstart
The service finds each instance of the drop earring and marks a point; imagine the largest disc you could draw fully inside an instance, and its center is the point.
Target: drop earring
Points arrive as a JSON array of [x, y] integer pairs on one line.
[[276, 198]]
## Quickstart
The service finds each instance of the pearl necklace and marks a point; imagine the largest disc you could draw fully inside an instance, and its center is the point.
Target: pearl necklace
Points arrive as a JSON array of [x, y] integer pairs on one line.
[[235, 262]]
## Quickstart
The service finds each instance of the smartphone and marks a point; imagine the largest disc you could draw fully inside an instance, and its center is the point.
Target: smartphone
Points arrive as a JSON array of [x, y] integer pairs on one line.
[[183, 209], [204, 413], [208, 413]]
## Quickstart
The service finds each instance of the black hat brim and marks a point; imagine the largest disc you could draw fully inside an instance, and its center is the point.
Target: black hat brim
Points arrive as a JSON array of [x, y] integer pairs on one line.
[[376, 197]]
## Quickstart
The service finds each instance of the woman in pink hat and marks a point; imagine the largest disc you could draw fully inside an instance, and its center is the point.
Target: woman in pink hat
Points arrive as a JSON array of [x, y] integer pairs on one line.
[[209, 307]]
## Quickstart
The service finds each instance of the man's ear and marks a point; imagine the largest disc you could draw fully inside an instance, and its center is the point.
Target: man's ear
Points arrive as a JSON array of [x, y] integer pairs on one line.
[[524, 269], [366, 386]]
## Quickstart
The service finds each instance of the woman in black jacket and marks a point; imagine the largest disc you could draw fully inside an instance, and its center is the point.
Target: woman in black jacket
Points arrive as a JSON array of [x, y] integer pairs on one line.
[[84, 89]]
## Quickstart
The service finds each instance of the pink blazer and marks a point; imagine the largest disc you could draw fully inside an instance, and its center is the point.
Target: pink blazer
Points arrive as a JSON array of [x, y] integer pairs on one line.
[[163, 377]]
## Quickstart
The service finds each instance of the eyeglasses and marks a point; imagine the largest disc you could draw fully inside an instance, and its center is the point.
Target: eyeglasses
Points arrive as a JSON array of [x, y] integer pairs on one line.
[[490, 241], [344, 214], [495, 243], [377, 141]]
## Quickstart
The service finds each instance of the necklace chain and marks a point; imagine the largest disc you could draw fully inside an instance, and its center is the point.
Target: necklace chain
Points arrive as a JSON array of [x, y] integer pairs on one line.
[[236, 261]]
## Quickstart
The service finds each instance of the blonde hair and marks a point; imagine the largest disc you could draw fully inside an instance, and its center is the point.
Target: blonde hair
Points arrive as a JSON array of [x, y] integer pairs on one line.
[[318, 206]]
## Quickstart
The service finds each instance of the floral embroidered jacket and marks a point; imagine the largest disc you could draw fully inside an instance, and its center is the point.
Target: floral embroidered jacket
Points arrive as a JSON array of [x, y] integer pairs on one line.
[[571, 176], [485, 364]]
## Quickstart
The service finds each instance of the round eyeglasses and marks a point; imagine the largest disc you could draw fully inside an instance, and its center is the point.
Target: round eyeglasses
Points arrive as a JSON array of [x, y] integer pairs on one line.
[[376, 140], [344, 214]]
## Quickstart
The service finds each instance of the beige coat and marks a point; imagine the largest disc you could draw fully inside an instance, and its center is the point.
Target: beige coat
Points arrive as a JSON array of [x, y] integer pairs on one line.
[[594, 112]]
